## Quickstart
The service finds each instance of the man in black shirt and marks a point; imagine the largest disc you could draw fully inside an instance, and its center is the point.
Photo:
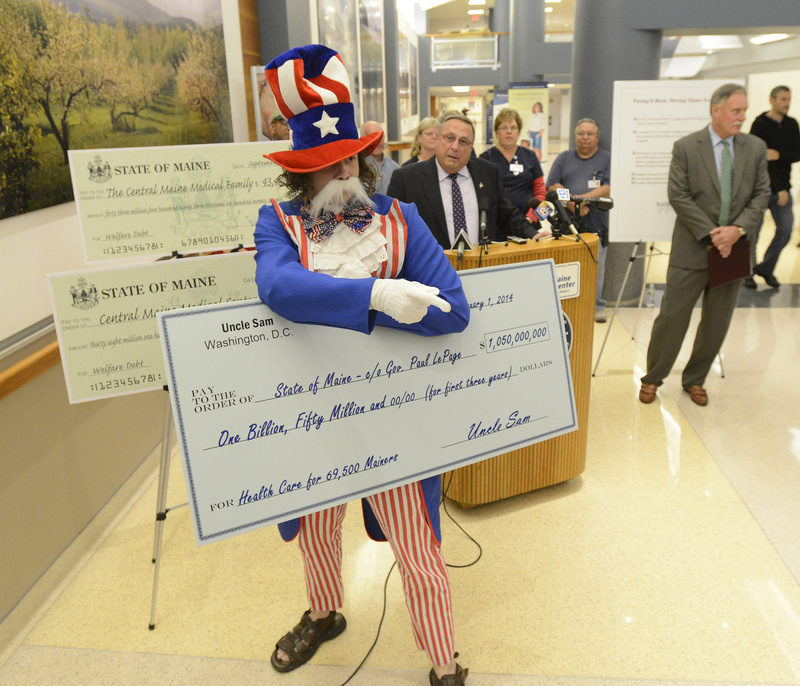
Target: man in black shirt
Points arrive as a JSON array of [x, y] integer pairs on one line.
[[782, 136]]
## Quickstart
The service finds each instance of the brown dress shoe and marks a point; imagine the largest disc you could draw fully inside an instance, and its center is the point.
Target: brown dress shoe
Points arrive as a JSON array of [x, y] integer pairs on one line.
[[647, 393], [698, 395]]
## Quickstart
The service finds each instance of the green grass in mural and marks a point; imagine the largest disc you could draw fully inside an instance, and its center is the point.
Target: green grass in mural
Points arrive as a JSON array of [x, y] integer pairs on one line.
[[165, 123]]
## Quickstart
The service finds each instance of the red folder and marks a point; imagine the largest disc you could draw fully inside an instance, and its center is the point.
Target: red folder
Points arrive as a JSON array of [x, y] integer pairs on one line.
[[724, 270]]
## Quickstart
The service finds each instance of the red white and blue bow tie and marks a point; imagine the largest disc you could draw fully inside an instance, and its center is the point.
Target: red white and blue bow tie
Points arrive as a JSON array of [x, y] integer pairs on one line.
[[356, 216]]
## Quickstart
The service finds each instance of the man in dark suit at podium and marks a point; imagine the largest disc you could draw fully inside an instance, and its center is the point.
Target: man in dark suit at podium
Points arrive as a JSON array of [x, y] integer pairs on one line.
[[451, 189], [718, 187]]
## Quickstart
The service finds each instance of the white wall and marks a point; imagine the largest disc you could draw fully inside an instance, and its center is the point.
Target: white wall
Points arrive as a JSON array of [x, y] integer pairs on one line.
[[31, 246]]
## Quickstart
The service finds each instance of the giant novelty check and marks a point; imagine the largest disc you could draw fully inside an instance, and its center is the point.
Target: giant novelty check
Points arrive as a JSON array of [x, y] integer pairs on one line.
[[177, 198], [277, 419], [106, 318]]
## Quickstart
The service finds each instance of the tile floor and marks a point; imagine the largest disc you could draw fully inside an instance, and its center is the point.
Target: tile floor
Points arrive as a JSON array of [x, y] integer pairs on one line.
[[673, 559]]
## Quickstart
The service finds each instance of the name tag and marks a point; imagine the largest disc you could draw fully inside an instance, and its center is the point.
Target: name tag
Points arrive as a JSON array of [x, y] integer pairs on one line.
[[516, 168], [594, 183]]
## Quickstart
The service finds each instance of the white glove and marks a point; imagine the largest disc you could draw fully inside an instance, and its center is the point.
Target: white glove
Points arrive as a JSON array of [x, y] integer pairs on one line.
[[405, 301]]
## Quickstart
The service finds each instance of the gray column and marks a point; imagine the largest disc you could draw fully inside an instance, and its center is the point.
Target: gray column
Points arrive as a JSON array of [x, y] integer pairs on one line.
[[530, 58], [392, 70], [282, 25], [605, 50], [526, 28]]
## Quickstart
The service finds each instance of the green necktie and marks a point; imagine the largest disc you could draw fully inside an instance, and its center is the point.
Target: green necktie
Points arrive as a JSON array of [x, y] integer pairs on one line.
[[725, 184]]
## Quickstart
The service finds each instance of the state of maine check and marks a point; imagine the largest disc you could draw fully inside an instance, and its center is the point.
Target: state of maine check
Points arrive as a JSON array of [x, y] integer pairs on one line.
[[277, 419], [159, 200], [106, 318]]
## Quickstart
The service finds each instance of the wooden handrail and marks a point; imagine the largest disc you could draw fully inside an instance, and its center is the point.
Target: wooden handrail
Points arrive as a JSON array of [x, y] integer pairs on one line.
[[394, 146], [28, 369]]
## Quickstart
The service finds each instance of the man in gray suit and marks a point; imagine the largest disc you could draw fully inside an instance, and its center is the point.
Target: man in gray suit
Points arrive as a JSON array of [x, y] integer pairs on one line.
[[704, 165]]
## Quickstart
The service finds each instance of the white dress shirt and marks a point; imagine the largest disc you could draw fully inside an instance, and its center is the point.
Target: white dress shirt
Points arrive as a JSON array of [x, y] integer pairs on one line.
[[469, 197]]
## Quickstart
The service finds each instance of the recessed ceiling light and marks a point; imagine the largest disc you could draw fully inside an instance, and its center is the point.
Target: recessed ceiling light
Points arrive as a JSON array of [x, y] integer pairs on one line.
[[552, 1], [548, 9], [720, 42], [476, 2], [768, 38], [460, 89], [681, 67], [473, 12]]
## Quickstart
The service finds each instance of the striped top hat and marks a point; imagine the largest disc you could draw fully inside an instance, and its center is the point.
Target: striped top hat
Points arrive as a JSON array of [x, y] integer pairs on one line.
[[312, 90]]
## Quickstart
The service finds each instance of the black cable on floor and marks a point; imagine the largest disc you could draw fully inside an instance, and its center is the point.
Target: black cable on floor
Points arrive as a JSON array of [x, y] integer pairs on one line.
[[444, 506], [380, 624], [391, 569]]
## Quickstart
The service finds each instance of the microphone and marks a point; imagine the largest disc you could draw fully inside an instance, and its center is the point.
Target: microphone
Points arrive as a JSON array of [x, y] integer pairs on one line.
[[541, 209], [552, 196], [461, 244], [483, 233]]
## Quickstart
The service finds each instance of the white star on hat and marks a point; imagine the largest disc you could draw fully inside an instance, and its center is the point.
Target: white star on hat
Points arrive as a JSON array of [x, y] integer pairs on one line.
[[326, 125]]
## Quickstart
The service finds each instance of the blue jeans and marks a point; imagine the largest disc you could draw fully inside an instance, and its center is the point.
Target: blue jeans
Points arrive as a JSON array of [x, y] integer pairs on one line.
[[784, 220]]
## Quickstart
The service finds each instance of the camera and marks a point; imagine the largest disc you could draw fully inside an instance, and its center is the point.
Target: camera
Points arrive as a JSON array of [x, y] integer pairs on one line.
[[601, 203]]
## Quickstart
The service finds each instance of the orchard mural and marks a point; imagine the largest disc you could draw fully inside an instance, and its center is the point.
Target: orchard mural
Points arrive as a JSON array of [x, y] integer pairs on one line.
[[81, 75]]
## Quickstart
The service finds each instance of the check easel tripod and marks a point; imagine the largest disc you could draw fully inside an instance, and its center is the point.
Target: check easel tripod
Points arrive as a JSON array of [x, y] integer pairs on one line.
[[161, 503], [652, 251]]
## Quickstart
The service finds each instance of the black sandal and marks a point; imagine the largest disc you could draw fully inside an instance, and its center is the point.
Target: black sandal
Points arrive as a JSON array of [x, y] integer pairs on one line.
[[457, 679], [302, 642]]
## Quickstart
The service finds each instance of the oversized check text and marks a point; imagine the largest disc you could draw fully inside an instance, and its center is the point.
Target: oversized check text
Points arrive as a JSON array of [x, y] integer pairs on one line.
[[106, 318], [158, 200], [277, 419]]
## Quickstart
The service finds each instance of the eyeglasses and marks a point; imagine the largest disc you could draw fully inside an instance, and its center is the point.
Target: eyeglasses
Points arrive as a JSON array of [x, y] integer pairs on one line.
[[508, 129], [430, 133], [449, 138]]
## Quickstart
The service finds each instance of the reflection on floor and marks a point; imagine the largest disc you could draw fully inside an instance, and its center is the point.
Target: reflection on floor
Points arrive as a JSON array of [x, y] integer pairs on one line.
[[673, 559]]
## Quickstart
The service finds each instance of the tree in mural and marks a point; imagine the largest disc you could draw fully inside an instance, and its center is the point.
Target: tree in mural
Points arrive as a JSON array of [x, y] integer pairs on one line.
[[55, 44], [17, 141], [202, 78], [129, 87]]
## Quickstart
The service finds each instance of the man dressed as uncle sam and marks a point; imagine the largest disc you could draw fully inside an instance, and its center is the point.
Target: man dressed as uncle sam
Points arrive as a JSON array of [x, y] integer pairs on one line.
[[334, 256]]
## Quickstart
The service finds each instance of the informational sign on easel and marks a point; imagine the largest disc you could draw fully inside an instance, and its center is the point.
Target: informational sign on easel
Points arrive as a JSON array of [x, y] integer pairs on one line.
[[135, 202], [649, 116], [106, 318], [277, 419]]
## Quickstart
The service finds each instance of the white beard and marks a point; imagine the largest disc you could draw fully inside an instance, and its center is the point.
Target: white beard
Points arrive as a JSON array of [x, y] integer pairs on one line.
[[336, 194]]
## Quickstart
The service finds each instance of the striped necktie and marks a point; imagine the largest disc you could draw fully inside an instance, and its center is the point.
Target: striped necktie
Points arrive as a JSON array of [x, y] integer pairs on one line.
[[459, 218], [725, 184]]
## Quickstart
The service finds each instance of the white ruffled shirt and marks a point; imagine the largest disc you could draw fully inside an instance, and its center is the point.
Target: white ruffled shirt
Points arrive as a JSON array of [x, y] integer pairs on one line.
[[346, 254]]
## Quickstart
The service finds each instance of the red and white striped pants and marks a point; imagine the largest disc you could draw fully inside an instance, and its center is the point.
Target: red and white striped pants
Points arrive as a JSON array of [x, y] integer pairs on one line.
[[402, 516]]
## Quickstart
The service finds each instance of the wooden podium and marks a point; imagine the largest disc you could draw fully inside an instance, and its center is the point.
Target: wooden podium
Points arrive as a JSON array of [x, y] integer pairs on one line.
[[557, 459]]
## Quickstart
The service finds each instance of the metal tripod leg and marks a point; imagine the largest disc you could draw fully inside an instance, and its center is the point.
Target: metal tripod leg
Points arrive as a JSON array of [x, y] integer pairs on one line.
[[163, 472], [641, 293], [161, 504], [616, 306]]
